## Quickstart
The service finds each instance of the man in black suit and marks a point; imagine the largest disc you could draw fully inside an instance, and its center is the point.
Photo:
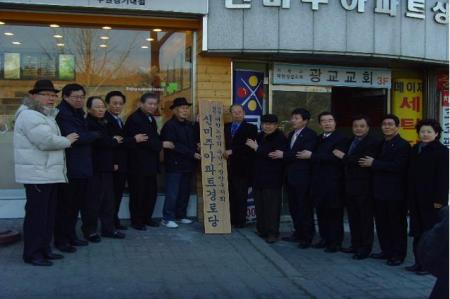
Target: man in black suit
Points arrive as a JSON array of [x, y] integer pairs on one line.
[[143, 163], [72, 197], [116, 100], [240, 166], [299, 177], [358, 187], [327, 183], [389, 188]]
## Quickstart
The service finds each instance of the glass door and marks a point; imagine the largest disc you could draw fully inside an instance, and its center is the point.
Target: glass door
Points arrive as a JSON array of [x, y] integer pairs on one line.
[[283, 99]]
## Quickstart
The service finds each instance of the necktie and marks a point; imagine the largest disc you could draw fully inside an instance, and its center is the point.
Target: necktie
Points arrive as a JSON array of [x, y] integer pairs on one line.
[[353, 146], [150, 119], [294, 138], [119, 122], [234, 128]]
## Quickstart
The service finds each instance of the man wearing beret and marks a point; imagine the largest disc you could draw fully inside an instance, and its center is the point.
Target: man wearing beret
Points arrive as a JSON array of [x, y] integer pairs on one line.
[[268, 177]]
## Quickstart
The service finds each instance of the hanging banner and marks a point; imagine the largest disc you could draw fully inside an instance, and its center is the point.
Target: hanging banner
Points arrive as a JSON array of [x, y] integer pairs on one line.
[[407, 104], [248, 91], [444, 109], [216, 206]]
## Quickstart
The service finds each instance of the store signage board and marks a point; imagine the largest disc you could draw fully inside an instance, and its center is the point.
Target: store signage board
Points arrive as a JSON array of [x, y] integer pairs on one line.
[[326, 75], [216, 206], [177, 6], [414, 8]]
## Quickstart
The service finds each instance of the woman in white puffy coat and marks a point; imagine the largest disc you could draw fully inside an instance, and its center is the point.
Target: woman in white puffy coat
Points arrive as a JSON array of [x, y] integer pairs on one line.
[[40, 166]]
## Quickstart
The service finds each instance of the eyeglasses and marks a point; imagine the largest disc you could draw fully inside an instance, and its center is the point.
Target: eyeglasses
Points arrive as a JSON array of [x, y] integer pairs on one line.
[[48, 95]]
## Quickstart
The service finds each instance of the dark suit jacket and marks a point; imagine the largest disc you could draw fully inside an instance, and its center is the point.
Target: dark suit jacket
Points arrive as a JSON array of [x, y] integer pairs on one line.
[[327, 172], [121, 151], [184, 137], [358, 180], [427, 184], [143, 158], [390, 169], [299, 171], [268, 172], [242, 159], [79, 155], [102, 148]]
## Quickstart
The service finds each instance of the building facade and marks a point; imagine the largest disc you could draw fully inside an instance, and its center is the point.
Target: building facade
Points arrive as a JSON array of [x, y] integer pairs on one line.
[[346, 56]]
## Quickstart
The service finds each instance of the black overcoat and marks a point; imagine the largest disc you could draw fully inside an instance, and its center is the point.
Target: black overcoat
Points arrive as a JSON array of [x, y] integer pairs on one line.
[[427, 184]]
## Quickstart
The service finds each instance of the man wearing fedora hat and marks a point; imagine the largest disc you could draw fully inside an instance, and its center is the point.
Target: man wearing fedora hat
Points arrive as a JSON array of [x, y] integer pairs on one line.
[[180, 162], [40, 166]]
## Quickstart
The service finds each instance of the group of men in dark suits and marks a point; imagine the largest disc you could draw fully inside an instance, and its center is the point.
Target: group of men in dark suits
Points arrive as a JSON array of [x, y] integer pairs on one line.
[[327, 173], [135, 159]]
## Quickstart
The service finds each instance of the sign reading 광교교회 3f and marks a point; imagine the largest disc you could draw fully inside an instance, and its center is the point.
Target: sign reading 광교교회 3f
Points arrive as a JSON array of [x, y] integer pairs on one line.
[[414, 8]]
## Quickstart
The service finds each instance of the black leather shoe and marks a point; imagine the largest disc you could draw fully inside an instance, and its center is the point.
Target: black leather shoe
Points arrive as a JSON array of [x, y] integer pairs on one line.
[[261, 235], [394, 262], [114, 235], [348, 250], [93, 238], [78, 242], [319, 244], [66, 248], [291, 238], [241, 225], [413, 268], [379, 256], [152, 223], [304, 245], [360, 256], [271, 239], [332, 249], [53, 256], [138, 227], [39, 262], [121, 227]]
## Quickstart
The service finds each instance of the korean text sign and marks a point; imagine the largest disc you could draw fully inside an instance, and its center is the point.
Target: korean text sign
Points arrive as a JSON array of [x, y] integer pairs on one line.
[[216, 206]]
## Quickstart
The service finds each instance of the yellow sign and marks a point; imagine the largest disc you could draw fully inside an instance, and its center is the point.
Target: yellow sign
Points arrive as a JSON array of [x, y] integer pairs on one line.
[[216, 206], [407, 104]]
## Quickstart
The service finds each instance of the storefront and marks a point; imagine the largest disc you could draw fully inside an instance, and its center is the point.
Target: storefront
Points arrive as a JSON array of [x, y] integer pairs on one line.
[[345, 56], [132, 46]]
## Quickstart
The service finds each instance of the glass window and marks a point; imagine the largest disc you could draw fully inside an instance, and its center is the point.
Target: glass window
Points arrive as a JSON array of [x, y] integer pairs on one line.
[[100, 59]]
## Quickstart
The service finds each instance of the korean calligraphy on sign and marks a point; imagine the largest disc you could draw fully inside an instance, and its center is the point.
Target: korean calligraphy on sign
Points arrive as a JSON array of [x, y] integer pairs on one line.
[[216, 206], [407, 104], [299, 74], [414, 8]]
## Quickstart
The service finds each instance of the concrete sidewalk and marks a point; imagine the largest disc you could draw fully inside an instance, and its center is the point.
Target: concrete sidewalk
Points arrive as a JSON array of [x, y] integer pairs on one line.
[[185, 263]]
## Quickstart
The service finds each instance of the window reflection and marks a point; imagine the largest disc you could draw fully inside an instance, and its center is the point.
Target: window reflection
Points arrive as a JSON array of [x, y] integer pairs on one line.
[[132, 61]]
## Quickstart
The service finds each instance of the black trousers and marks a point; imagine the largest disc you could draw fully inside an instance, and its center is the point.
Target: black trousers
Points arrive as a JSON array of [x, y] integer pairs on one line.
[[391, 225], [143, 192], [238, 199], [71, 201], [360, 218], [267, 207], [119, 180], [39, 220], [302, 212], [100, 204], [331, 226]]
